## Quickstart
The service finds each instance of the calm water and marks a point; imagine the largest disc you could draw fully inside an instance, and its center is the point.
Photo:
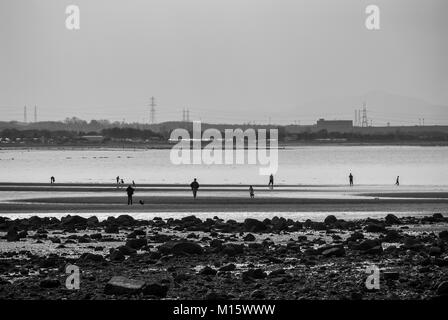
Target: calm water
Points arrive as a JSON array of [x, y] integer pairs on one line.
[[301, 165]]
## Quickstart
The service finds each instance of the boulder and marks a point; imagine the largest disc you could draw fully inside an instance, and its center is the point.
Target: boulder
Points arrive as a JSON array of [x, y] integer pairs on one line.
[[334, 252], [228, 267], [116, 255], [179, 247], [73, 221], [442, 288], [125, 220], [331, 219], [392, 219], [208, 271], [249, 237], [254, 225], [119, 285], [232, 249], [254, 274], [111, 228], [443, 235], [156, 289], [136, 243], [375, 227], [91, 257], [50, 283], [12, 235]]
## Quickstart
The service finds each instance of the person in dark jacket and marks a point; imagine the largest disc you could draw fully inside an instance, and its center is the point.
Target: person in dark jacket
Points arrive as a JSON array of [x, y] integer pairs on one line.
[[194, 187], [130, 192]]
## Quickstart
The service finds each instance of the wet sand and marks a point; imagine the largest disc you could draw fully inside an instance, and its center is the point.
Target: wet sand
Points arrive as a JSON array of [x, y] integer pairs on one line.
[[107, 198]]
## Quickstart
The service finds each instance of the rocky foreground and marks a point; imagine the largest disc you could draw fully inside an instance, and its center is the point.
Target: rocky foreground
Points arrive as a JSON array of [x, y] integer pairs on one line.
[[188, 258]]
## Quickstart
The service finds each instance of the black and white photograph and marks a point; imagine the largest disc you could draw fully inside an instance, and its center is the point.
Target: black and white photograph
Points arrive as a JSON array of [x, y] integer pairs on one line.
[[224, 158]]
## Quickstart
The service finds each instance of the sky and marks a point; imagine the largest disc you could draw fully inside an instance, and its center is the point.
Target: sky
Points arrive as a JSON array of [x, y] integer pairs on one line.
[[227, 61]]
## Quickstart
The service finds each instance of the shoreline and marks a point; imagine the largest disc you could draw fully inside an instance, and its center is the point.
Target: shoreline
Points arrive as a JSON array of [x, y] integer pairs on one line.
[[173, 258]]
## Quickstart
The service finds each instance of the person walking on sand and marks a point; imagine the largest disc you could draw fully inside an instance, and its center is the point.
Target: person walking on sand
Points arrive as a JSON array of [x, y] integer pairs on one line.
[[251, 192], [130, 192], [118, 181], [397, 183], [350, 179], [271, 182], [52, 180], [194, 187]]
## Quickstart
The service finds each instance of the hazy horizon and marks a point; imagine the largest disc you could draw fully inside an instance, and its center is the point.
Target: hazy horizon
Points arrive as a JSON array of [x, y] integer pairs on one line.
[[230, 61]]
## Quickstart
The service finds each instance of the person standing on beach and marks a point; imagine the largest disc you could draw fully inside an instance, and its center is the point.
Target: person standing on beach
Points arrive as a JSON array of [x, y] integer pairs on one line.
[[397, 183], [130, 192], [52, 180], [118, 181], [271, 182], [194, 186], [350, 179], [251, 191]]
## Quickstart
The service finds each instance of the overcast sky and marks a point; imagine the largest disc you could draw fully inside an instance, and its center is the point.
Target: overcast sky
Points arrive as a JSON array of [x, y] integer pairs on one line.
[[225, 60]]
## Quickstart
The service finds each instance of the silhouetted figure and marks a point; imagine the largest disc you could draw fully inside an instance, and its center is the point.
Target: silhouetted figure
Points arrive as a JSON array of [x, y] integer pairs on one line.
[[251, 191], [194, 186], [130, 192], [271, 182], [118, 181], [141, 202], [52, 180], [133, 184], [122, 181], [350, 179], [397, 183]]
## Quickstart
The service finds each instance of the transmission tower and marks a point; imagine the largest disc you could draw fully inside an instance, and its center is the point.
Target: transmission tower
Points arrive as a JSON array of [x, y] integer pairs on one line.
[[152, 115], [24, 115], [183, 115], [365, 121], [188, 115]]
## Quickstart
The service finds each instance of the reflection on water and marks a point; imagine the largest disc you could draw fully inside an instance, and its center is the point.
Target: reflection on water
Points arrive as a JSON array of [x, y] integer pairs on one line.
[[302, 165]]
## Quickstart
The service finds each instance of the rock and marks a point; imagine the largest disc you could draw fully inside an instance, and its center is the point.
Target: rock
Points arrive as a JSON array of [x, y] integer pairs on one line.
[[254, 274], [92, 221], [367, 245], [277, 272], [12, 235], [375, 250], [249, 237], [258, 294], [232, 249], [50, 283], [127, 251], [438, 217], [208, 271], [217, 244], [331, 219], [156, 289], [392, 235], [334, 252], [179, 247], [443, 235], [125, 220], [86, 257], [136, 243], [73, 221], [254, 225], [116, 255], [120, 285], [228, 267], [435, 251], [392, 219], [212, 295], [373, 227], [96, 236], [442, 288], [111, 228], [391, 275], [355, 236]]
